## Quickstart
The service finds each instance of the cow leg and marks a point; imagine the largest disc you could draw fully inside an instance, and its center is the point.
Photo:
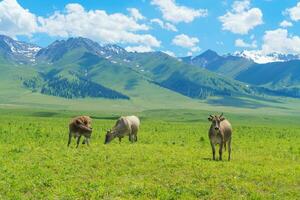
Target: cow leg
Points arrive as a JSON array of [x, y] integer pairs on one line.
[[220, 150], [78, 141], [135, 137], [130, 138], [229, 149], [130, 134], [213, 150], [134, 131], [70, 138], [87, 141]]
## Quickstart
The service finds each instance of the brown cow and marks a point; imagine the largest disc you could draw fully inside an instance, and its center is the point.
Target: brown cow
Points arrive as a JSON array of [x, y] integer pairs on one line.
[[220, 133], [80, 126]]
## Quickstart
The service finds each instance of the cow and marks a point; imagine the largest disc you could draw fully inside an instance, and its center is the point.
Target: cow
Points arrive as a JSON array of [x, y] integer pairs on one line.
[[220, 132], [128, 125], [80, 126]]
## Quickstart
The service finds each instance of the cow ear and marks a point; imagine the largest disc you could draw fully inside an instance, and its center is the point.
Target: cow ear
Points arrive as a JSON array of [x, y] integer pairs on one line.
[[210, 118], [222, 118]]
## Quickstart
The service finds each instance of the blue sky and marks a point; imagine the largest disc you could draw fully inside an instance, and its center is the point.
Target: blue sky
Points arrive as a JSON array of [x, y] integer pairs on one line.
[[178, 27]]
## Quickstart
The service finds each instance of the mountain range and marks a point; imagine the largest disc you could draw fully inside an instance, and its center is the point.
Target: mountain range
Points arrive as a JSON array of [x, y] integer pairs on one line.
[[82, 68], [277, 78]]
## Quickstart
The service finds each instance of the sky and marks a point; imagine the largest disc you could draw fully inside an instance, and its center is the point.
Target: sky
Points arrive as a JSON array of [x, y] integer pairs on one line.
[[176, 27]]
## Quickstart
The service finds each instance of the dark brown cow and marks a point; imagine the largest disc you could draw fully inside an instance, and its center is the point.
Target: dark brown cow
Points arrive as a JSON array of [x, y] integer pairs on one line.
[[80, 126]]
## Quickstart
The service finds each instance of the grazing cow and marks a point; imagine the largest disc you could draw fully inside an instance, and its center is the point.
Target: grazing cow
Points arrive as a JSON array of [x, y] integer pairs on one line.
[[220, 133], [128, 125], [80, 126]]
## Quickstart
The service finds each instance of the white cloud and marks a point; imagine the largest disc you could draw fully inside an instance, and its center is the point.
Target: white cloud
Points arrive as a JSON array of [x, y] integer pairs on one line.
[[97, 25], [275, 42], [76, 21], [220, 43], [279, 41], [241, 19], [15, 20], [241, 6], [170, 27], [170, 53], [183, 40], [189, 53], [135, 13], [242, 43], [139, 48], [294, 12], [167, 25], [195, 49], [285, 24], [176, 13]]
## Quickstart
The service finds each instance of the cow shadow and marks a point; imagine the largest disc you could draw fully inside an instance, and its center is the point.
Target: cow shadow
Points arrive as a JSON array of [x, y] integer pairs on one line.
[[210, 159]]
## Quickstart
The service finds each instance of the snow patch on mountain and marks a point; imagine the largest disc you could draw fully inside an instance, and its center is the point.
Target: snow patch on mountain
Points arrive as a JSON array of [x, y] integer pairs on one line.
[[111, 48], [21, 49], [262, 58]]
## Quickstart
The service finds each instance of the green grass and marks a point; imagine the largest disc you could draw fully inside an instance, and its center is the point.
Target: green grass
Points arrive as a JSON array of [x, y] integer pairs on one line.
[[172, 159]]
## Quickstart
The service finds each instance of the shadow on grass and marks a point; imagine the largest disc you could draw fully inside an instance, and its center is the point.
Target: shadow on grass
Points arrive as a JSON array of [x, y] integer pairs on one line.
[[209, 159], [217, 160], [238, 102], [106, 117], [44, 114]]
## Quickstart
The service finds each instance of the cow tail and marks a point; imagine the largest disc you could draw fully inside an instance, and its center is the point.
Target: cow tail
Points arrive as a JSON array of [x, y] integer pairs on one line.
[[225, 146]]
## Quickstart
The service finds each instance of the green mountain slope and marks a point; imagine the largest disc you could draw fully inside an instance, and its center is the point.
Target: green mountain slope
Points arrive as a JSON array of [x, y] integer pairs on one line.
[[278, 74], [84, 71], [88, 60], [80, 63], [228, 65], [277, 78], [194, 82], [12, 77]]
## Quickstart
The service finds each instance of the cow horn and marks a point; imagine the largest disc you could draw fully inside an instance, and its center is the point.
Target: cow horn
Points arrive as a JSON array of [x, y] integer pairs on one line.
[[221, 115]]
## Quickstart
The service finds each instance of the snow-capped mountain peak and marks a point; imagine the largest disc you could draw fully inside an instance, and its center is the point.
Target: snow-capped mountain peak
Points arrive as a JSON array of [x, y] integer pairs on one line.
[[114, 48], [21, 50], [262, 58]]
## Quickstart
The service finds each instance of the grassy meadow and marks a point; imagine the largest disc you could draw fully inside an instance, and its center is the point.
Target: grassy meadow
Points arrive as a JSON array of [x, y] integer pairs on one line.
[[171, 160]]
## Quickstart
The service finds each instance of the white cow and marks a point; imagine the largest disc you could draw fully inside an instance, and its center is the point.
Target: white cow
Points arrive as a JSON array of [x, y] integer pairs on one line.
[[128, 125]]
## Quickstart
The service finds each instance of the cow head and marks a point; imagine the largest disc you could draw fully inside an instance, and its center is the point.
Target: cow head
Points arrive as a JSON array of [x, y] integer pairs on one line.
[[88, 132], [110, 135], [216, 120]]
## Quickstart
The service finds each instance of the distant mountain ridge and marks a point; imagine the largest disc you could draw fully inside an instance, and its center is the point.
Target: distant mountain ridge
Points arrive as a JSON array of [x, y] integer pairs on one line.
[[282, 76], [228, 65], [58, 48], [81, 68], [18, 51], [261, 58]]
